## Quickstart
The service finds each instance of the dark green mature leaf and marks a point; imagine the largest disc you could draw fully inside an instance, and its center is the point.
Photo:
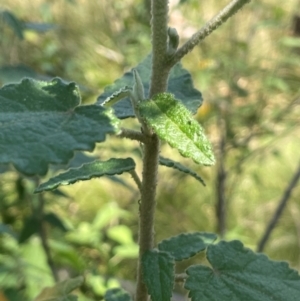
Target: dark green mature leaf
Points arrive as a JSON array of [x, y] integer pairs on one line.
[[173, 123], [60, 291], [158, 273], [180, 84], [113, 166], [186, 245], [116, 294], [180, 167], [40, 123], [239, 274], [12, 21], [52, 219]]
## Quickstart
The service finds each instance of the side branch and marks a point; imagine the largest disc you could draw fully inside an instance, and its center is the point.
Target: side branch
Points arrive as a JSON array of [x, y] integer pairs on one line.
[[285, 197], [133, 135], [207, 29]]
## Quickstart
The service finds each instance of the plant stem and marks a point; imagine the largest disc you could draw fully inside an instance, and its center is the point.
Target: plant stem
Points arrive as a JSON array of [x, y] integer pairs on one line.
[[43, 236], [207, 29], [284, 199], [159, 81]]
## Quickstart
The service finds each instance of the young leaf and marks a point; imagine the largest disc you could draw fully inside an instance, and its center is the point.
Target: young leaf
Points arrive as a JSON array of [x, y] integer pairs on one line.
[[180, 167], [173, 123], [158, 273], [40, 124], [87, 171], [117, 294], [187, 245], [60, 291], [180, 84], [239, 274]]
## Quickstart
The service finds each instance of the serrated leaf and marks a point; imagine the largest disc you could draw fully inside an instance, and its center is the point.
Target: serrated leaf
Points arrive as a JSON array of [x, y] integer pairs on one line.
[[173, 123], [117, 294], [60, 291], [113, 166], [52, 219], [180, 84], [176, 165], [12, 21], [158, 274], [239, 274], [30, 227], [116, 96], [187, 245], [40, 124]]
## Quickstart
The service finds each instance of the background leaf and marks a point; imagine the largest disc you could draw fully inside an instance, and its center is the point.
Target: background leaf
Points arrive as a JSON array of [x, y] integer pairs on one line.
[[116, 294], [173, 123], [176, 165], [60, 291], [180, 84], [87, 171], [40, 124], [239, 274], [12, 21], [30, 227], [55, 221], [186, 245], [158, 273]]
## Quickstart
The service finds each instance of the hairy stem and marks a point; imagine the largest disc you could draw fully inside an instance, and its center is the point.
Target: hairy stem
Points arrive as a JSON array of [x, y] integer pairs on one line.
[[284, 199], [159, 27], [159, 81], [132, 134], [207, 29]]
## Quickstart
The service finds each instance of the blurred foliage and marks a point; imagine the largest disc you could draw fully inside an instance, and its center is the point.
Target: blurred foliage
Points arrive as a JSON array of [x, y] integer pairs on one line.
[[248, 72]]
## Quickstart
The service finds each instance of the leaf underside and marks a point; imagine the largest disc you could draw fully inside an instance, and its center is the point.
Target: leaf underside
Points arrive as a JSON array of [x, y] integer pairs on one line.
[[113, 166], [180, 84], [158, 274], [239, 274], [187, 245], [176, 165], [173, 123], [41, 123]]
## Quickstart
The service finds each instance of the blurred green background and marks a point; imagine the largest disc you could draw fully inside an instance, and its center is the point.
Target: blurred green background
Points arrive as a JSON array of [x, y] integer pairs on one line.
[[249, 74]]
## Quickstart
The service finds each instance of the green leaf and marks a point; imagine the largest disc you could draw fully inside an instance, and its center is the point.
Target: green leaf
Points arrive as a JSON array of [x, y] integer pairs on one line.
[[60, 291], [173, 123], [12, 21], [239, 274], [180, 84], [6, 229], [30, 227], [87, 171], [176, 165], [158, 273], [116, 96], [117, 294], [186, 245], [40, 123], [55, 221]]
